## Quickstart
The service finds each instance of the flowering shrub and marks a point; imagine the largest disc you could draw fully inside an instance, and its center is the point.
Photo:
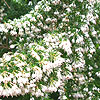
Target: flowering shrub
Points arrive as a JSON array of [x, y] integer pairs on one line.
[[54, 48]]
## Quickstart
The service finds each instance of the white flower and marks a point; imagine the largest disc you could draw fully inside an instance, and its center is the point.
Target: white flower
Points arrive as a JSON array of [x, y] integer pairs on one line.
[[90, 93], [48, 20], [80, 39], [92, 50], [12, 46], [92, 2], [58, 83], [1, 89], [32, 98], [52, 89], [65, 20], [56, 2], [7, 57], [6, 30], [37, 7], [5, 92], [85, 28], [1, 64], [37, 30], [38, 93], [68, 9], [98, 74], [21, 31], [64, 5], [27, 74], [33, 75], [13, 32], [56, 13], [39, 16], [69, 76], [9, 26], [47, 9], [33, 19], [28, 69], [40, 24], [20, 64], [45, 27], [94, 33], [66, 45], [86, 89], [34, 54], [80, 0], [69, 67], [38, 73], [64, 97], [30, 3]]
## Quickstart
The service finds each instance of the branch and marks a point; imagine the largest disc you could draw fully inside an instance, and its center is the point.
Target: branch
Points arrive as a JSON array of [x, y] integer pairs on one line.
[[6, 4], [4, 47]]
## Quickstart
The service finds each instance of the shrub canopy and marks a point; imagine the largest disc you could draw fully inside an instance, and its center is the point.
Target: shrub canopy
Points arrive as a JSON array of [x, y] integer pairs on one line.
[[54, 47]]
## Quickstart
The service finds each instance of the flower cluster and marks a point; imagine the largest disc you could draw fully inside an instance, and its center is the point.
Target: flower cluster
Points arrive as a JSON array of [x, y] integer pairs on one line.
[[57, 50], [22, 73]]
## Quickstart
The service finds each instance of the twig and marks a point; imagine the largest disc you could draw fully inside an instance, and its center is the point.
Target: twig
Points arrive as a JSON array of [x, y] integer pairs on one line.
[[6, 4], [4, 47]]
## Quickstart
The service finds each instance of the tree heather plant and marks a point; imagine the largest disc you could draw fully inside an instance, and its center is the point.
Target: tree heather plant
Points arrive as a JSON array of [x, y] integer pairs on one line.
[[54, 48]]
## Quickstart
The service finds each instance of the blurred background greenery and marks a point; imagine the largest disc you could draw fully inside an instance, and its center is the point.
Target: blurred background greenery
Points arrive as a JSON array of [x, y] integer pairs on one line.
[[17, 8]]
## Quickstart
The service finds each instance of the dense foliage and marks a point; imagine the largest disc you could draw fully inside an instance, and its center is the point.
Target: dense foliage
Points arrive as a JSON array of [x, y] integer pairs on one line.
[[13, 10], [54, 49]]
